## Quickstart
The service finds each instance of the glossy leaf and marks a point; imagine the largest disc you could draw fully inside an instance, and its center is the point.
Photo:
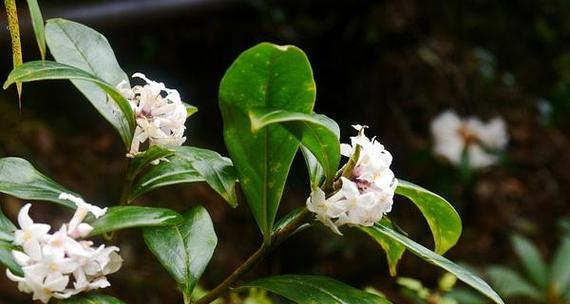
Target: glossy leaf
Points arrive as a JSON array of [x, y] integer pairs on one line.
[[38, 24], [186, 249], [560, 271], [7, 228], [433, 258], [190, 164], [510, 284], [316, 132], [443, 220], [20, 179], [268, 76], [92, 298], [47, 70], [315, 170], [14, 29], [121, 217], [308, 289], [394, 250], [79, 46], [531, 259], [146, 158], [8, 260]]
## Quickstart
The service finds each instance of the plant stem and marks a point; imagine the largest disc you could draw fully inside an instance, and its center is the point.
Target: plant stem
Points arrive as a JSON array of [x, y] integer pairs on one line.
[[277, 238], [127, 184]]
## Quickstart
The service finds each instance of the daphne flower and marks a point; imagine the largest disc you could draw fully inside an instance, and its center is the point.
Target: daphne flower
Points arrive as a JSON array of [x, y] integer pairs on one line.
[[361, 208], [30, 234], [324, 210], [454, 136], [159, 112], [76, 227], [58, 265]]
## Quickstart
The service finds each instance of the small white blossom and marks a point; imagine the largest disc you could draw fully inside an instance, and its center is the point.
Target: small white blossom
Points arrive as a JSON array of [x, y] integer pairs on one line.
[[159, 112], [58, 265], [454, 136], [367, 195]]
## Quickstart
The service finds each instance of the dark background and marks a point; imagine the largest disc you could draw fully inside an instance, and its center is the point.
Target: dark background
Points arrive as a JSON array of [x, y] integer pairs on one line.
[[392, 65]]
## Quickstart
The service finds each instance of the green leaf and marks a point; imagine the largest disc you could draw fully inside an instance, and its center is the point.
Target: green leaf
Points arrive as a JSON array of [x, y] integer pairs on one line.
[[7, 228], [443, 220], [531, 259], [190, 164], [265, 75], [186, 249], [14, 28], [92, 298], [433, 258], [79, 46], [308, 289], [510, 284], [38, 24], [316, 172], [46, 70], [20, 179], [394, 250], [7, 259], [190, 109], [465, 296], [560, 271], [286, 219], [144, 159], [121, 217], [316, 132]]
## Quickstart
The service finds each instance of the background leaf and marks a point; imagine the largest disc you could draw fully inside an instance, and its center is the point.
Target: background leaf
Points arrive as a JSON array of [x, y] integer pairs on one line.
[[186, 249], [318, 133], [7, 228], [79, 46], [190, 164], [265, 75], [433, 258], [394, 250], [121, 217], [20, 179], [38, 24], [531, 259], [510, 284], [443, 220], [307, 289], [315, 170], [560, 269], [46, 70]]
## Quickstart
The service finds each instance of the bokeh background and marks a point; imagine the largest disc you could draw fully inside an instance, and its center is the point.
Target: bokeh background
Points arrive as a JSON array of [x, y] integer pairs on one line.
[[392, 65]]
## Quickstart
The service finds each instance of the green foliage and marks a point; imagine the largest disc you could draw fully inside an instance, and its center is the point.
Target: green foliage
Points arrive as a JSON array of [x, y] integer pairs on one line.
[[7, 259], [445, 293], [46, 70], [184, 250], [443, 220], [14, 28], [540, 282], [431, 257], [318, 133], [267, 76], [121, 217], [305, 289], [79, 46], [394, 250], [38, 24], [190, 164], [20, 179], [93, 298]]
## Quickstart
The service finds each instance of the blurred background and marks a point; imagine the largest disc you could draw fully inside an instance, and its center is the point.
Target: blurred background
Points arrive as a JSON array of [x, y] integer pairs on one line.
[[392, 65]]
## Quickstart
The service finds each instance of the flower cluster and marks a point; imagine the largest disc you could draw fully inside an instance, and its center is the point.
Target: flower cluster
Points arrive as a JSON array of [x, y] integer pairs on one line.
[[364, 197], [160, 114], [454, 136], [60, 265]]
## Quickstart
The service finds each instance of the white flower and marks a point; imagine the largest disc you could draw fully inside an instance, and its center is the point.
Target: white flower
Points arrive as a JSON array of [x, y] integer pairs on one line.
[[76, 227], [367, 195], [30, 234], [159, 112], [58, 265], [454, 136]]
